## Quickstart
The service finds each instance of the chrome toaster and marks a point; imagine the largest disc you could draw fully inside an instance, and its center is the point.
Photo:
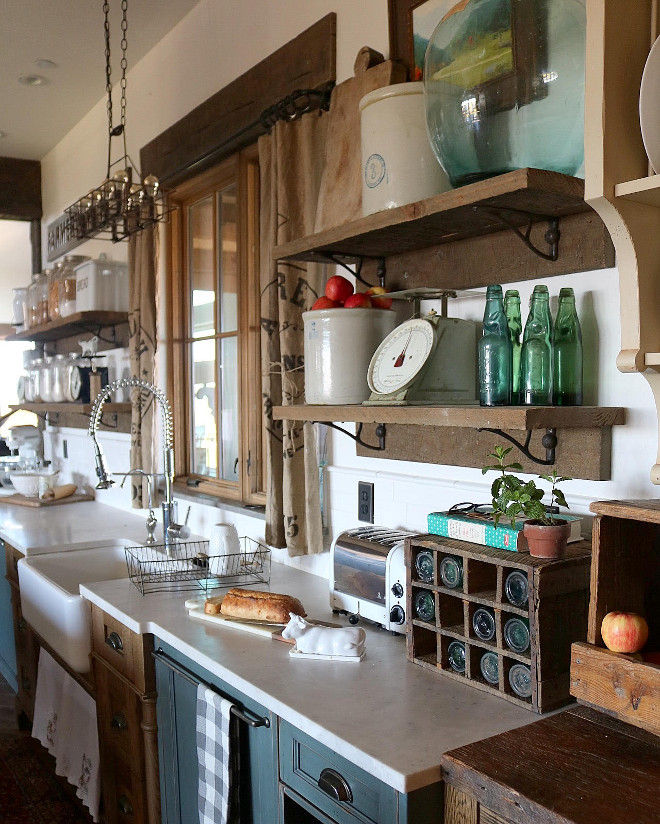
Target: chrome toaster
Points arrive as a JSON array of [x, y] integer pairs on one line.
[[368, 575]]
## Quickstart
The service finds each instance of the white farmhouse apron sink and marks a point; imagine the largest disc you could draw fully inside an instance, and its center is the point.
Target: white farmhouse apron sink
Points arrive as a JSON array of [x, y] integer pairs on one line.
[[51, 601]]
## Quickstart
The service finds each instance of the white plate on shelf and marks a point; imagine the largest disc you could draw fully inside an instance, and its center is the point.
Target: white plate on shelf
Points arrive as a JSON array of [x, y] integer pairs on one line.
[[649, 106]]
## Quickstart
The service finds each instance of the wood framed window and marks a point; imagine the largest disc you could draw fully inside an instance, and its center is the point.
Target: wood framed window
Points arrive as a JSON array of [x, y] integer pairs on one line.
[[214, 318]]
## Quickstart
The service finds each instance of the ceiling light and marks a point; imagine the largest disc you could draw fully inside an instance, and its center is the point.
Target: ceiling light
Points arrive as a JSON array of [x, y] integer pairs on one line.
[[118, 207], [44, 63], [32, 79]]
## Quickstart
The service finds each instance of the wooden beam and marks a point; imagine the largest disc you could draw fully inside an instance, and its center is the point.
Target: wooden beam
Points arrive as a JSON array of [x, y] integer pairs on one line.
[[226, 121], [20, 189]]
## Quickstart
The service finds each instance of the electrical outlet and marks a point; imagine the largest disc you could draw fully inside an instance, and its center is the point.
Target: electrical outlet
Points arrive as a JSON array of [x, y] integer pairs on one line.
[[365, 502]]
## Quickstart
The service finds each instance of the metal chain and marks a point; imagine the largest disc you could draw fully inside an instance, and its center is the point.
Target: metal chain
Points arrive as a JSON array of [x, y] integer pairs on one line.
[[108, 69], [123, 64]]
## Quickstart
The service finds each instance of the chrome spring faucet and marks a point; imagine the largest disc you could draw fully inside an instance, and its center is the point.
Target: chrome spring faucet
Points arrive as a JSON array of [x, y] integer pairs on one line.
[[171, 530]]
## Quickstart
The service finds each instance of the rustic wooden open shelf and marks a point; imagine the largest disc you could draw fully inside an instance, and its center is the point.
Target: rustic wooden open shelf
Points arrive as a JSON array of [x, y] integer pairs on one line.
[[116, 416], [451, 216], [81, 408], [70, 325], [470, 417], [437, 434]]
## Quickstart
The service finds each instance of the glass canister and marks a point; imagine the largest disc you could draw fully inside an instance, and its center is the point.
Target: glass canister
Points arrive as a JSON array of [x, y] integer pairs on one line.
[[19, 306], [54, 277], [34, 379], [46, 386], [504, 88], [31, 304], [71, 378], [38, 300], [67, 284], [58, 378]]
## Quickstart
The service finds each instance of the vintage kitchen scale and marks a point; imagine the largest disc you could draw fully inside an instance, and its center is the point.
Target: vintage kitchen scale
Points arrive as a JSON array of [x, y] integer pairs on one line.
[[429, 360]]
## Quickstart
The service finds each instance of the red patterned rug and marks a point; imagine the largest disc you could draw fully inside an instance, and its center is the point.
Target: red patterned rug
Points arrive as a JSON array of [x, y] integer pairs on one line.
[[30, 792]]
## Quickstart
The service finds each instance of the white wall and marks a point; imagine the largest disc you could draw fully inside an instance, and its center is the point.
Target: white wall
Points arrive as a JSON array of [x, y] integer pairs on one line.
[[208, 49], [15, 263]]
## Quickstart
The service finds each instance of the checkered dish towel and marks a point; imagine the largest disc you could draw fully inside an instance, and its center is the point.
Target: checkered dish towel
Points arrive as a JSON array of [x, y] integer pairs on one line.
[[217, 754]]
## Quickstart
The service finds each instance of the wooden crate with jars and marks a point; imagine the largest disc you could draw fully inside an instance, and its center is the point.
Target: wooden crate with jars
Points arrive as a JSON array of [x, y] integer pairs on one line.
[[501, 621]]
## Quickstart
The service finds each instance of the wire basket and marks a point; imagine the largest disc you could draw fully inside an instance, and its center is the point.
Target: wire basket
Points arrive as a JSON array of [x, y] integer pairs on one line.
[[186, 565]]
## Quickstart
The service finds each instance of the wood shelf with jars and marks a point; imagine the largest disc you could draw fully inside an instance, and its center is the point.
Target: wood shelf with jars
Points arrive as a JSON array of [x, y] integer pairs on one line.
[[79, 322], [436, 434], [116, 416]]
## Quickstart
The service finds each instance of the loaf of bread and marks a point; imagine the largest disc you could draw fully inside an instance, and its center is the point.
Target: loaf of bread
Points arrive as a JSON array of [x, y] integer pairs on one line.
[[260, 606], [212, 605]]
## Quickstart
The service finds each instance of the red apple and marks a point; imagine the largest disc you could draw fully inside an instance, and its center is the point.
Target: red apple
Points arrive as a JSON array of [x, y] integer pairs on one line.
[[378, 302], [338, 288], [325, 303], [624, 631], [360, 300]]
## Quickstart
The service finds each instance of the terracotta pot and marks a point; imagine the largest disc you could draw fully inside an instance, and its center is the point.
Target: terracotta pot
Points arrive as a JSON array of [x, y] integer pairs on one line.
[[546, 541]]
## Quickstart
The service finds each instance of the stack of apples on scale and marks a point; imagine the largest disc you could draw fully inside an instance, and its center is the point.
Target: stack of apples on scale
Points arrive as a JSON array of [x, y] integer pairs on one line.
[[340, 293]]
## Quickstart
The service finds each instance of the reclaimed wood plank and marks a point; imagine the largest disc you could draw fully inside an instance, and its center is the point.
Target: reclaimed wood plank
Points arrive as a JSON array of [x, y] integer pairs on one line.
[[460, 808], [561, 770], [229, 119], [620, 685], [20, 189]]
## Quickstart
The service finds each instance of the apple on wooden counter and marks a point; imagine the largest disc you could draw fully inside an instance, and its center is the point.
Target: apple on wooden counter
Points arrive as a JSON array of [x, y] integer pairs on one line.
[[624, 631]]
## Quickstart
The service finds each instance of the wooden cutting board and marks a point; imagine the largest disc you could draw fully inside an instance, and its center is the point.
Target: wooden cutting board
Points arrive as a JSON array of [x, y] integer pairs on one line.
[[21, 500], [340, 195], [254, 627]]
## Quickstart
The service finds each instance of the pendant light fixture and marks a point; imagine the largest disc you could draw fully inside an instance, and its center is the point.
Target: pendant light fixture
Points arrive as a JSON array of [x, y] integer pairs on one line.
[[124, 203]]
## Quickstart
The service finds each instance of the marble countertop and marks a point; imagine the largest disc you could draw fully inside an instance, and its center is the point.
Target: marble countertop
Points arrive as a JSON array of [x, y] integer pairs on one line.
[[34, 530], [390, 717]]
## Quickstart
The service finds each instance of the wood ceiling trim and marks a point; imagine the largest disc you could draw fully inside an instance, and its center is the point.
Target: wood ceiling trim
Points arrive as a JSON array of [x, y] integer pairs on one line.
[[20, 189], [223, 123]]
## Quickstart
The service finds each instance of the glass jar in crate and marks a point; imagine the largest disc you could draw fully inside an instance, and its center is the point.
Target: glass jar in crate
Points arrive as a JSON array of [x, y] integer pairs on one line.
[[516, 634], [516, 588], [451, 571], [456, 656], [489, 667], [424, 566], [520, 680], [425, 605], [483, 623]]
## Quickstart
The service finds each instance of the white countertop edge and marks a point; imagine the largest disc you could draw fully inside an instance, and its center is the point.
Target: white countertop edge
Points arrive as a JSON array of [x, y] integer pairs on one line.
[[400, 782]]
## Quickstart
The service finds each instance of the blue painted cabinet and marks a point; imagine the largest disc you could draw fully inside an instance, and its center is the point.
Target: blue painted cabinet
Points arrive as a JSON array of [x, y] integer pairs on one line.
[[177, 678], [8, 666]]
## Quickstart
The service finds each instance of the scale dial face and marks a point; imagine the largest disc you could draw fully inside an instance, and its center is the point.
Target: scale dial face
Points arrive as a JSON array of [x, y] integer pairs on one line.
[[75, 383], [400, 357]]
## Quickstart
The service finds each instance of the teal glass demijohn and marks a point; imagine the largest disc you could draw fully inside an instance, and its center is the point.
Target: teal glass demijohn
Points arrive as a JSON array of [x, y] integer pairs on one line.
[[567, 352], [536, 351], [494, 352], [504, 87]]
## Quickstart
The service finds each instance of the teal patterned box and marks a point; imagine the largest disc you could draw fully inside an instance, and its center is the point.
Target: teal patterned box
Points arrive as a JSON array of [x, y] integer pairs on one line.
[[479, 528]]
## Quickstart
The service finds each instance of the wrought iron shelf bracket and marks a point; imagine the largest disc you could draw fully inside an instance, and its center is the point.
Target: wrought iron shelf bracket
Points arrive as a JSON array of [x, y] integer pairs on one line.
[[381, 268], [381, 432], [549, 441], [551, 236]]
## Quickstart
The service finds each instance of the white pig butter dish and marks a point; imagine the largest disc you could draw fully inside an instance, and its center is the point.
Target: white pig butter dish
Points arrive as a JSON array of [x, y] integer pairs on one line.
[[326, 643]]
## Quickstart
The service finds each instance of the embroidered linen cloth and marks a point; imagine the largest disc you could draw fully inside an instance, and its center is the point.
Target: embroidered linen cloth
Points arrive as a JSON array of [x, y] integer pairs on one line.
[[217, 757], [65, 724]]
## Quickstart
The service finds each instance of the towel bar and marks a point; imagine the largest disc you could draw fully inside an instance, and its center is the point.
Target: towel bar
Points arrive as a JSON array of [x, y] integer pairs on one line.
[[161, 655]]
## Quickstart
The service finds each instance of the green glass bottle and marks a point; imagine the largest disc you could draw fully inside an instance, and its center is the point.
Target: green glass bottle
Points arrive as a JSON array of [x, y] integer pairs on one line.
[[567, 353], [514, 322], [495, 352], [536, 352]]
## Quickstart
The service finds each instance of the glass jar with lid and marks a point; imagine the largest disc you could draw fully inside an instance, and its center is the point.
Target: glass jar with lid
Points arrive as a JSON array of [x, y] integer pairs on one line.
[[19, 307], [54, 277], [37, 299], [34, 379], [58, 378], [67, 284], [46, 379]]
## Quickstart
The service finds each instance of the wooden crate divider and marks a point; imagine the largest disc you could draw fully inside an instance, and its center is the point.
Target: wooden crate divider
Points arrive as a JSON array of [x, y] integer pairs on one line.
[[557, 611]]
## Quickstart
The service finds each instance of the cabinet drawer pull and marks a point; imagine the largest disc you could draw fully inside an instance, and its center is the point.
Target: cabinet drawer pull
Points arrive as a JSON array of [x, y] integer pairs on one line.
[[119, 722], [335, 785], [124, 805], [114, 642]]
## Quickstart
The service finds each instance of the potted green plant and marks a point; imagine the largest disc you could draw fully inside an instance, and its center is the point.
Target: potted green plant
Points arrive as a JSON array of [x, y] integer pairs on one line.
[[546, 533]]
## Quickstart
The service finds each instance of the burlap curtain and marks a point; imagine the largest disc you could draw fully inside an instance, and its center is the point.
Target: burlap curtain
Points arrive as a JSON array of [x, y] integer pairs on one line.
[[291, 164], [142, 268]]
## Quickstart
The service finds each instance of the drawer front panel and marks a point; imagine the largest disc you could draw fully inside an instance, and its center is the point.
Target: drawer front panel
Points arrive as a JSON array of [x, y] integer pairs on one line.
[[119, 711], [124, 650], [124, 795], [332, 783]]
